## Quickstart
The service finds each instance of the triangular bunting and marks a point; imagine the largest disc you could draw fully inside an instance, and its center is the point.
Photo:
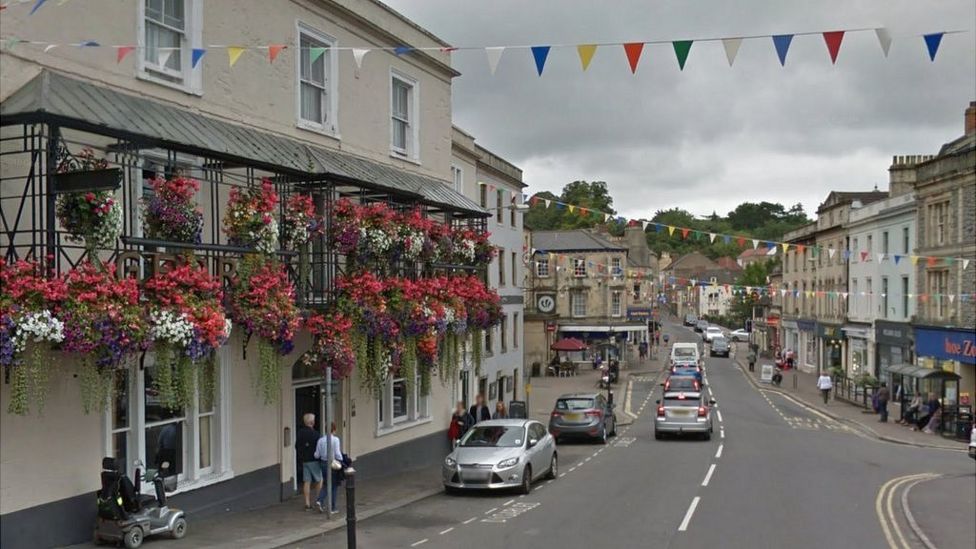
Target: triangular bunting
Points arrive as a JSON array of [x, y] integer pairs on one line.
[[932, 42], [864, 256], [755, 243], [931, 261], [914, 259], [586, 52], [494, 54], [711, 237], [195, 56], [880, 257], [357, 55], [833, 40], [120, 52], [633, 51], [644, 225], [37, 5], [540, 54], [731, 46], [741, 240], [727, 239], [897, 258], [782, 44], [670, 230], [884, 38], [234, 53], [952, 298], [965, 264], [164, 56], [684, 232], [274, 50], [681, 49], [314, 53], [786, 247], [548, 202], [49, 47], [831, 252]]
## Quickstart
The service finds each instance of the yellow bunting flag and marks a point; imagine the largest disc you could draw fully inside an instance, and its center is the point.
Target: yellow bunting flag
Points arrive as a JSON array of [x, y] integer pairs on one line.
[[914, 260], [234, 53], [586, 52], [670, 230], [786, 247], [571, 207]]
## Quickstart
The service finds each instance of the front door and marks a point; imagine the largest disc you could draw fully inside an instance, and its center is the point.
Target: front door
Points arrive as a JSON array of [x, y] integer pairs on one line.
[[308, 399]]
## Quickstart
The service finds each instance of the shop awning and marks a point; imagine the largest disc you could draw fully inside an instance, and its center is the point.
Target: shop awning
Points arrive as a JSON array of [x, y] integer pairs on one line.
[[568, 344], [920, 372], [54, 98]]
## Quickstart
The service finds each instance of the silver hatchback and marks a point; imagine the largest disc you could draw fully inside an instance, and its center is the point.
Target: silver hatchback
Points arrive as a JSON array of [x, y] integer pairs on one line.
[[501, 453], [683, 412]]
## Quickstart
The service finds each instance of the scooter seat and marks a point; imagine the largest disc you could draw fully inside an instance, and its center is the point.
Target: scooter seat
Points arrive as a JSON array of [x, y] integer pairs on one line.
[[147, 501]]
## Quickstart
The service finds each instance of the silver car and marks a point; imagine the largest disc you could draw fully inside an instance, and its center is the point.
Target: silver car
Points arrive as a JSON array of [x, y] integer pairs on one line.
[[501, 453], [683, 412]]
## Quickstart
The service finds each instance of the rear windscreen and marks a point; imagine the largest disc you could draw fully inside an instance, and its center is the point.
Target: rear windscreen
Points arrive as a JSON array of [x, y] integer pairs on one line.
[[682, 384], [685, 352], [574, 404]]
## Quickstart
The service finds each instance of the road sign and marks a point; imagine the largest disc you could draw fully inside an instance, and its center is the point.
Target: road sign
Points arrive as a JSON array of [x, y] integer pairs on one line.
[[551, 327], [766, 375]]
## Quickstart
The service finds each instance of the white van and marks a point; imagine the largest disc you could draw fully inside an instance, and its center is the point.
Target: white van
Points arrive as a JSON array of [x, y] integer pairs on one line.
[[685, 352]]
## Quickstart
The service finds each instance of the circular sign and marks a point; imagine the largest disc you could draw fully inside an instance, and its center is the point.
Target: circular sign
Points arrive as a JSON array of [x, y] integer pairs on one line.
[[546, 304]]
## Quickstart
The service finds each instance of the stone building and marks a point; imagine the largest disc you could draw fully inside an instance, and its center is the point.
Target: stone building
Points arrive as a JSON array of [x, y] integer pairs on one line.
[[799, 324]]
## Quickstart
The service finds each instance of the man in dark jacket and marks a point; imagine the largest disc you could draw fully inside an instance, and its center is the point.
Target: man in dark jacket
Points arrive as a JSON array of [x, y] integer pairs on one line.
[[479, 411], [884, 395], [305, 441]]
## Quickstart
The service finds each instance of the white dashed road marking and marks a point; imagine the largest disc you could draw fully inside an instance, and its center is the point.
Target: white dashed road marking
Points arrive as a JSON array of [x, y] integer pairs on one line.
[[688, 514], [421, 542], [442, 532], [470, 520], [708, 475], [718, 453], [719, 412]]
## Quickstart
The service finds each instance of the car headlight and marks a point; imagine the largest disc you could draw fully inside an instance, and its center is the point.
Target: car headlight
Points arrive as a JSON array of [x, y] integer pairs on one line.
[[511, 462], [449, 461]]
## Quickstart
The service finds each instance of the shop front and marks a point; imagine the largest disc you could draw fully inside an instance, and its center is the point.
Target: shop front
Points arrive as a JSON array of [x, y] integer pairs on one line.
[[791, 338], [859, 349], [807, 349], [893, 345], [949, 349], [831, 341]]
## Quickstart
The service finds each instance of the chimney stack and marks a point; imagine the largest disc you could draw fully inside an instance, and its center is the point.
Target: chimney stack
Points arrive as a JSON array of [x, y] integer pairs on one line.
[[971, 118]]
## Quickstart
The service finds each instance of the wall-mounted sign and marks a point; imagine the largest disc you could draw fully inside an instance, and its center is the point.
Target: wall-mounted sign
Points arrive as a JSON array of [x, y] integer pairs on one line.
[[546, 303]]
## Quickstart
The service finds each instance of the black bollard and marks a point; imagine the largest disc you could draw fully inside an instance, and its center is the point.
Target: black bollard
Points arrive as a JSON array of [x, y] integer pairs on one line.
[[351, 508]]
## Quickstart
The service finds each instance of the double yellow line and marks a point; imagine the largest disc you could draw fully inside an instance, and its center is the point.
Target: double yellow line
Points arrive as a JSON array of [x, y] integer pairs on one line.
[[885, 510]]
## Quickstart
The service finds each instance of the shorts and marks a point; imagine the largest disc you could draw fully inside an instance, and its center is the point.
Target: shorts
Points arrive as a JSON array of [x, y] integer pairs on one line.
[[312, 471]]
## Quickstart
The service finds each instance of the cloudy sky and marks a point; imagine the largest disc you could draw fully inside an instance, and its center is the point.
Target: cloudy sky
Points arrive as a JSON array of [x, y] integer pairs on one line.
[[711, 136]]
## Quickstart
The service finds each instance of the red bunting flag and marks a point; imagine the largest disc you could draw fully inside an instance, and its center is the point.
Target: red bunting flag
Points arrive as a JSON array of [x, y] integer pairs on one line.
[[583, 211], [633, 51], [864, 256], [931, 261], [741, 240], [122, 51], [684, 232], [833, 40], [800, 248], [534, 200], [274, 50]]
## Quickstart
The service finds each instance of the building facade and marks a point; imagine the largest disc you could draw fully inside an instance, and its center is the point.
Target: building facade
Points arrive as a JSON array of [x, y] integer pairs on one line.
[[681, 279], [945, 321], [799, 321], [370, 128]]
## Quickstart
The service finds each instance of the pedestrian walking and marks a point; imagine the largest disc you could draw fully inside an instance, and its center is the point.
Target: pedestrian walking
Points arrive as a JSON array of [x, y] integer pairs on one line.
[[825, 384], [751, 357], [883, 396], [642, 350], [306, 439], [461, 421], [330, 465], [479, 412], [500, 411]]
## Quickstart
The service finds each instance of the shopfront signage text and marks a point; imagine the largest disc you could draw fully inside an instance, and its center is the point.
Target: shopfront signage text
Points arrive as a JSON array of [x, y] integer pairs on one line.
[[946, 344]]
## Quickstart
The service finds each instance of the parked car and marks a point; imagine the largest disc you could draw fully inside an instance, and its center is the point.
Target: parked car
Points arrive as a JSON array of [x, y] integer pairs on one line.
[[739, 335], [501, 453], [972, 443], [683, 412], [701, 325], [691, 320], [720, 347], [583, 415], [712, 332]]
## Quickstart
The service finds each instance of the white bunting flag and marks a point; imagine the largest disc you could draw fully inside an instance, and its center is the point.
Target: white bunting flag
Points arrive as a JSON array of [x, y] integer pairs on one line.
[[755, 243], [548, 202], [782, 292], [831, 252], [881, 257], [771, 251], [164, 56], [644, 225], [358, 54], [49, 47], [731, 46], [606, 218], [844, 295], [494, 56], [965, 263], [884, 38], [711, 237], [952, 298]]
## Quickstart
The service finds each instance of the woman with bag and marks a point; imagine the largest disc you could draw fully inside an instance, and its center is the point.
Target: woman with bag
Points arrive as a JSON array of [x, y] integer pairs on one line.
[[461, 421], [331, 465]]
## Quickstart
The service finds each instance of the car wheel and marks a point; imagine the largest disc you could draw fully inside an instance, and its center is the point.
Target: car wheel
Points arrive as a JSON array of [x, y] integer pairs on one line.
[[604, 436], [133, 538], [526, 486], [179, 528], [450, 490], [553, 467], [657, 436]]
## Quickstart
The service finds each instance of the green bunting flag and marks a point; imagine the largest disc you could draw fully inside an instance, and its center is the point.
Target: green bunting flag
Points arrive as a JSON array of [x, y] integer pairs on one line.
[[681, 50]]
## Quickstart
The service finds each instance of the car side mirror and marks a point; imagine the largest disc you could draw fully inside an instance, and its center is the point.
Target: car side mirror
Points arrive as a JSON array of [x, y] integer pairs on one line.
[[711, 401], [533, 442], [662, 384], [657, 402]]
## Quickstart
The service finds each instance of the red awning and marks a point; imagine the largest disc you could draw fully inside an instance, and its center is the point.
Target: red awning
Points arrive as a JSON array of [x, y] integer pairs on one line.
[[568, 344]]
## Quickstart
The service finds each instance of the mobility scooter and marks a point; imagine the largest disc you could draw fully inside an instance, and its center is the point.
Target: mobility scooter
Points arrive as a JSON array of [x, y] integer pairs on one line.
[[126, 516]]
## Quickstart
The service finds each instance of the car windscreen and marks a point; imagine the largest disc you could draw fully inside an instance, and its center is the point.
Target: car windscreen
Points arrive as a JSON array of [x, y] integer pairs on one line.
[[493, 436], [718, 341], [574, 404], [684, 352]]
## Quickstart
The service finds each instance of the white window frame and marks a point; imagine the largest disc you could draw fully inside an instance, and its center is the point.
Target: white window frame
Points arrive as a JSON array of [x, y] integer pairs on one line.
[[503, 331], [191, 78], [579, 267], [577, 304], [457, 177], [615, 266], [331, 60], [616, 303], [412, 150], [193, 476], [418, 408], [542, 267]]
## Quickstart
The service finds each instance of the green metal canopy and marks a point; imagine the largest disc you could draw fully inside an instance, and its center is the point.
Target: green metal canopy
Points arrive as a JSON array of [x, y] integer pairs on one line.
[[51, 97], [919, 372]]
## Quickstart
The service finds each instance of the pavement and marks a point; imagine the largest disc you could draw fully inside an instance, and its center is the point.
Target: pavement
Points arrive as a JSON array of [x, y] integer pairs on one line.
[[803, 387]]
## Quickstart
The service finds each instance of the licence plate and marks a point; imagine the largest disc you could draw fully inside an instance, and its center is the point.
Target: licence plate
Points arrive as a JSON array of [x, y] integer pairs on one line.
[[574, 417], [682, 413]]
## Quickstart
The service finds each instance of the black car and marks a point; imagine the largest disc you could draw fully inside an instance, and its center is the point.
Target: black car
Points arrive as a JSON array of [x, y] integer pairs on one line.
[[720, 347]]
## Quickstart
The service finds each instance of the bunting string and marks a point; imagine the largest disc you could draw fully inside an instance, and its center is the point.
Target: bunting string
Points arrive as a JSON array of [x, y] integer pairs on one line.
[[770, 247]]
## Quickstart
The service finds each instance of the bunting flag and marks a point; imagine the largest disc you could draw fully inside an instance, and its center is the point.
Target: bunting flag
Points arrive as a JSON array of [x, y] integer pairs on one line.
[[833, 40], [633, 51], [755, 244], [782, 44], [358, 54], [400, 50], [164, 56], [670, 230], [681, 50], [952, 298], [786, 248], [884, 38], [684, 232], [274, 50], [931, 261], [914, 260], [864, 256], [49, 47], [313, 54], [831, 252], [881, 257], [897, 258], [540, 54], [965, 264], [932, 42], [731, 46], [494, 54], [585, 52], [847, 255], [711, 237], [120, 52], [195, 56], [37, 6], [234, 53], [548, 202]]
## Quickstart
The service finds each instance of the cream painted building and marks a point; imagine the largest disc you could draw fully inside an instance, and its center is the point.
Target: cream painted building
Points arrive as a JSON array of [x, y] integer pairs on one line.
[[313, 116]]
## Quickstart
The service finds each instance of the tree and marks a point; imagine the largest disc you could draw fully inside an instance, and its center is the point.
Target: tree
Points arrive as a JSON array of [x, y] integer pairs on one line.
[[593, 197]]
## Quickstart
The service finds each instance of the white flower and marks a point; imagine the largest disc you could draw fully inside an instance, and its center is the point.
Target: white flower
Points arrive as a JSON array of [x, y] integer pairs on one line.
[[39, 327], [170, 327]]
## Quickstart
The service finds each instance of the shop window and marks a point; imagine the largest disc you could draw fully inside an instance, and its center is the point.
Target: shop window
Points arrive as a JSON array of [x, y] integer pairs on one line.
[[168, 32]]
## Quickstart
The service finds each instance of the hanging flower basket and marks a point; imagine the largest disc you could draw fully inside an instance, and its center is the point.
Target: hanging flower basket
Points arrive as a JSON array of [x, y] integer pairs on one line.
[[170, 213], [251, 219], [93, 216]]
